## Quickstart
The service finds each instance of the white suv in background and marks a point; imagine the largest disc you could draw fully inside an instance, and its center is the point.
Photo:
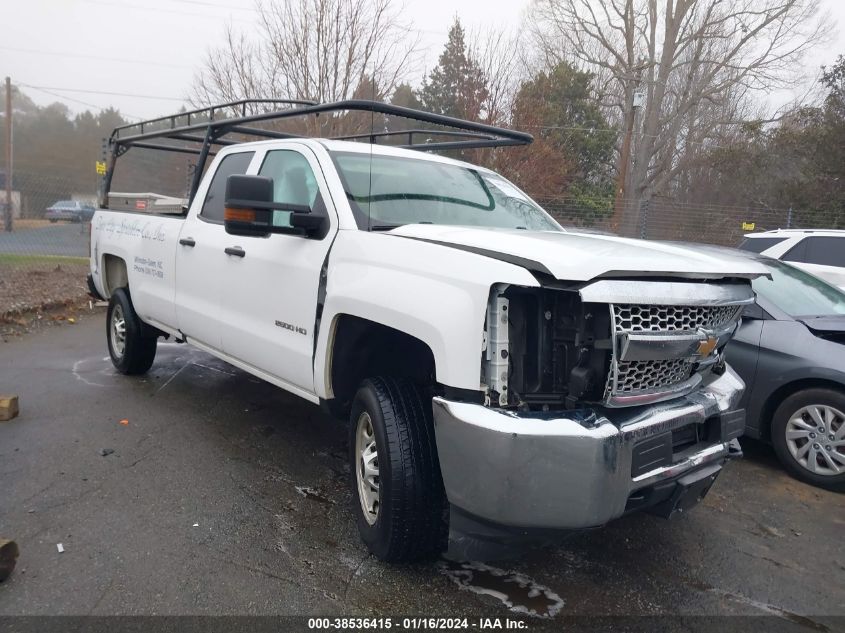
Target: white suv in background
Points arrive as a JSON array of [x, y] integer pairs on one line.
[[819, 252]]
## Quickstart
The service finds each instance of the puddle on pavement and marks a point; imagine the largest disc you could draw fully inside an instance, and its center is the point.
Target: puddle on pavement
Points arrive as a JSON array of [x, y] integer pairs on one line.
[[517, 592]]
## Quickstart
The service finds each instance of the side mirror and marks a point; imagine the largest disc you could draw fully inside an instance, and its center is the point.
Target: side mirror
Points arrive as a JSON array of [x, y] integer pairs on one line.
[[251, 211]]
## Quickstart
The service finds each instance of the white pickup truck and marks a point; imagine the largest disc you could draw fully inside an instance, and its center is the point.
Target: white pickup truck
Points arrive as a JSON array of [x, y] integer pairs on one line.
[[503, 379]]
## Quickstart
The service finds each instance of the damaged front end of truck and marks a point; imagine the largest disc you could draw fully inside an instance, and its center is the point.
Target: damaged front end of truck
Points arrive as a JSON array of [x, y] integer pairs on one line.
[[601, 398]]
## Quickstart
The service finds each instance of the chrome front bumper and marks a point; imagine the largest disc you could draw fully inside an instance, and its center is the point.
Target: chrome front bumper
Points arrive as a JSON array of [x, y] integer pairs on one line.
[[580, 468]]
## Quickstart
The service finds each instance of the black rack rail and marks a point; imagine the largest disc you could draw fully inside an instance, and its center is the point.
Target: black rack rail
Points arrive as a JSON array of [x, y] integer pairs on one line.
[[199, 131]]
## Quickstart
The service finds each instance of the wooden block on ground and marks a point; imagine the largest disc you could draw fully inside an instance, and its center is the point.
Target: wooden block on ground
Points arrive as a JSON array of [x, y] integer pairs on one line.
[[8, 408], [8, 557]]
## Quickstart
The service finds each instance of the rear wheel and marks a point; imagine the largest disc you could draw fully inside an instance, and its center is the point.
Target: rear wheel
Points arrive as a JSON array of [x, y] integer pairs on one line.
[[808, 435], [400, 504], [132, 350]]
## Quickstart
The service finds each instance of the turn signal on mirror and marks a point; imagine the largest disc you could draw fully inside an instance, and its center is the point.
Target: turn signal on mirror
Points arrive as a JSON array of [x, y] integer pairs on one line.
[[239, 215]]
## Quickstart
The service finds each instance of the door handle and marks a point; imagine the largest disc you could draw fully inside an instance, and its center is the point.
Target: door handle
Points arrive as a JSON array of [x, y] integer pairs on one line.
[[237, 251], [188, 241]]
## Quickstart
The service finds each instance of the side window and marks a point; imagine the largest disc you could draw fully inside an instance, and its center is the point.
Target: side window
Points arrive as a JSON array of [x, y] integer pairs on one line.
[[825, 251], [212, 207], [797, 253], [759, 244], [293, 179]]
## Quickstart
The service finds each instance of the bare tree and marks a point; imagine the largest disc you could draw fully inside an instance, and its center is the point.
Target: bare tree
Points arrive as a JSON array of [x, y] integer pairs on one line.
[[231, 72], [684, 64], [324, 50], [497, 53]]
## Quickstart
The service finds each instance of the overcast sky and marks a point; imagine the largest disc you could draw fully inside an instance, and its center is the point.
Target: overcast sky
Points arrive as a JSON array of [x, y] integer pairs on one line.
[[153, 47]]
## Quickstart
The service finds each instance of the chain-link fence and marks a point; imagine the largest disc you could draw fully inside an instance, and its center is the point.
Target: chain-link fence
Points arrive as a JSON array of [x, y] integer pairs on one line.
[[44, 257], [663, 219]]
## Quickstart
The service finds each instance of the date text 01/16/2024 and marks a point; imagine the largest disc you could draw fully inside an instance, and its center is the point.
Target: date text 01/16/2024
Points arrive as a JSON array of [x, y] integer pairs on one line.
[[416, 623]]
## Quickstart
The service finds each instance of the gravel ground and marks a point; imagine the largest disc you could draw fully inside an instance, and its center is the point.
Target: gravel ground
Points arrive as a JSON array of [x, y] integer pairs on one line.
[[38, 284]]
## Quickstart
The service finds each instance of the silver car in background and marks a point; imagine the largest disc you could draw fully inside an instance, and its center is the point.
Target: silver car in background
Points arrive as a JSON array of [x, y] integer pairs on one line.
[[69, 211]]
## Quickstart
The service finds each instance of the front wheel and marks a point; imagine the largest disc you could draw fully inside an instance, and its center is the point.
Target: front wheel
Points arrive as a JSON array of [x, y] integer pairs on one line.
[[399, 501], [808, 435], [132, 350]]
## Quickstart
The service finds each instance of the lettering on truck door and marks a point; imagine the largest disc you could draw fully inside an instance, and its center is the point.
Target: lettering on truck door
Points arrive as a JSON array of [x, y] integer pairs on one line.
[[270, 294], [201, 257]]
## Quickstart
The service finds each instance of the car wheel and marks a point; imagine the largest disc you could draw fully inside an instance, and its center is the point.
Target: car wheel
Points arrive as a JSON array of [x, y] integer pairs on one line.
[[132, 350], [399, 501], [808, 435]]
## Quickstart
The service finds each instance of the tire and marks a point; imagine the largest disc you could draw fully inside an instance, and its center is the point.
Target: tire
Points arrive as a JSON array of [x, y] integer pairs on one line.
[[799, 444], [410, 519], [135, 352]]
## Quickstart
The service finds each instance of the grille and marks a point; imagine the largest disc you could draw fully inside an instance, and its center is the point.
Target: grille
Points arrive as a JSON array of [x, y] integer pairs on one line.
[[654, 376], [646, 375], [652, 318]]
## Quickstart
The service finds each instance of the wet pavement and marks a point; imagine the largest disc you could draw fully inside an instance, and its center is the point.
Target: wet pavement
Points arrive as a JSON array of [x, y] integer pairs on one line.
[[225, 495]]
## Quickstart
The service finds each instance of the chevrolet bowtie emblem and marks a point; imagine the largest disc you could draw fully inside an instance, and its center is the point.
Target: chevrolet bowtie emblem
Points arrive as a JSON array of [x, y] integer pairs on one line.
[[707, 346]]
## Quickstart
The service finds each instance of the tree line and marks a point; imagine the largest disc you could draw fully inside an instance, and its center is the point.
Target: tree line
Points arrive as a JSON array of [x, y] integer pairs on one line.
[[629, 101]]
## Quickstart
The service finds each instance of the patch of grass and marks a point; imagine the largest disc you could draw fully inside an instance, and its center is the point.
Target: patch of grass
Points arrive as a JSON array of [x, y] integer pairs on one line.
[[15, 259]]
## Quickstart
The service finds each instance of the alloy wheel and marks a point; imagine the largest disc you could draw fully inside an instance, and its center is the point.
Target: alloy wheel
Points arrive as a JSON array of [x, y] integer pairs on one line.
[[367, 470], [118, 330], [815, 437]]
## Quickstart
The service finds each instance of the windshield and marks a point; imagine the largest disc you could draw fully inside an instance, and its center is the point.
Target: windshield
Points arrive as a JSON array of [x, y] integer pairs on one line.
[[799, 293], [399, 190]]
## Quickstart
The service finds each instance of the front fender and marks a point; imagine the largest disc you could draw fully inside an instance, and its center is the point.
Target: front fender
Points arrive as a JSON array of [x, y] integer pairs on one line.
[[432, 292]]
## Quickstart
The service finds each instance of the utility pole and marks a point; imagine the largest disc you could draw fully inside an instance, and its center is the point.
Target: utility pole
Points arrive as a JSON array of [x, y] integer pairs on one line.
[[622, 173], [634, 103], [7, 219]]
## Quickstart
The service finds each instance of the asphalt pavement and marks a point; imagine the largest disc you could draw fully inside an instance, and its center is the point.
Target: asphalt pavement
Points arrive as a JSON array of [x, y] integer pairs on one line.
[[221, 494]]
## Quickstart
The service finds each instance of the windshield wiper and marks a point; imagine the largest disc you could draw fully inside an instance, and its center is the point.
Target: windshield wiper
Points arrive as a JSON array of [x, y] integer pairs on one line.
[[386, 197], [385, 227]]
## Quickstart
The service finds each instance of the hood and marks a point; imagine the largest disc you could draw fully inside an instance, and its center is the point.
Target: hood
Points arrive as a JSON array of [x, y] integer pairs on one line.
[[831, 328], [824, 323], [583, 256]]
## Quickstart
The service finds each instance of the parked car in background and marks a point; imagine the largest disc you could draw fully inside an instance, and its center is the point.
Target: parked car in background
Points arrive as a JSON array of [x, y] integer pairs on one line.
[[820, 252], [790, 350], [69, 211]]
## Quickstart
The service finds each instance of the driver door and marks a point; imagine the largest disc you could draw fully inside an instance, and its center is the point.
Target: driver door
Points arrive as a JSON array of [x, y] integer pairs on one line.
[[269, 297]]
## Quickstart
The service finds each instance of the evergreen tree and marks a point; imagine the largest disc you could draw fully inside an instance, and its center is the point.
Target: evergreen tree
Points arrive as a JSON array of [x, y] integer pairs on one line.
[[406, 96], [572, 153], [561, 105], [456, 86]]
